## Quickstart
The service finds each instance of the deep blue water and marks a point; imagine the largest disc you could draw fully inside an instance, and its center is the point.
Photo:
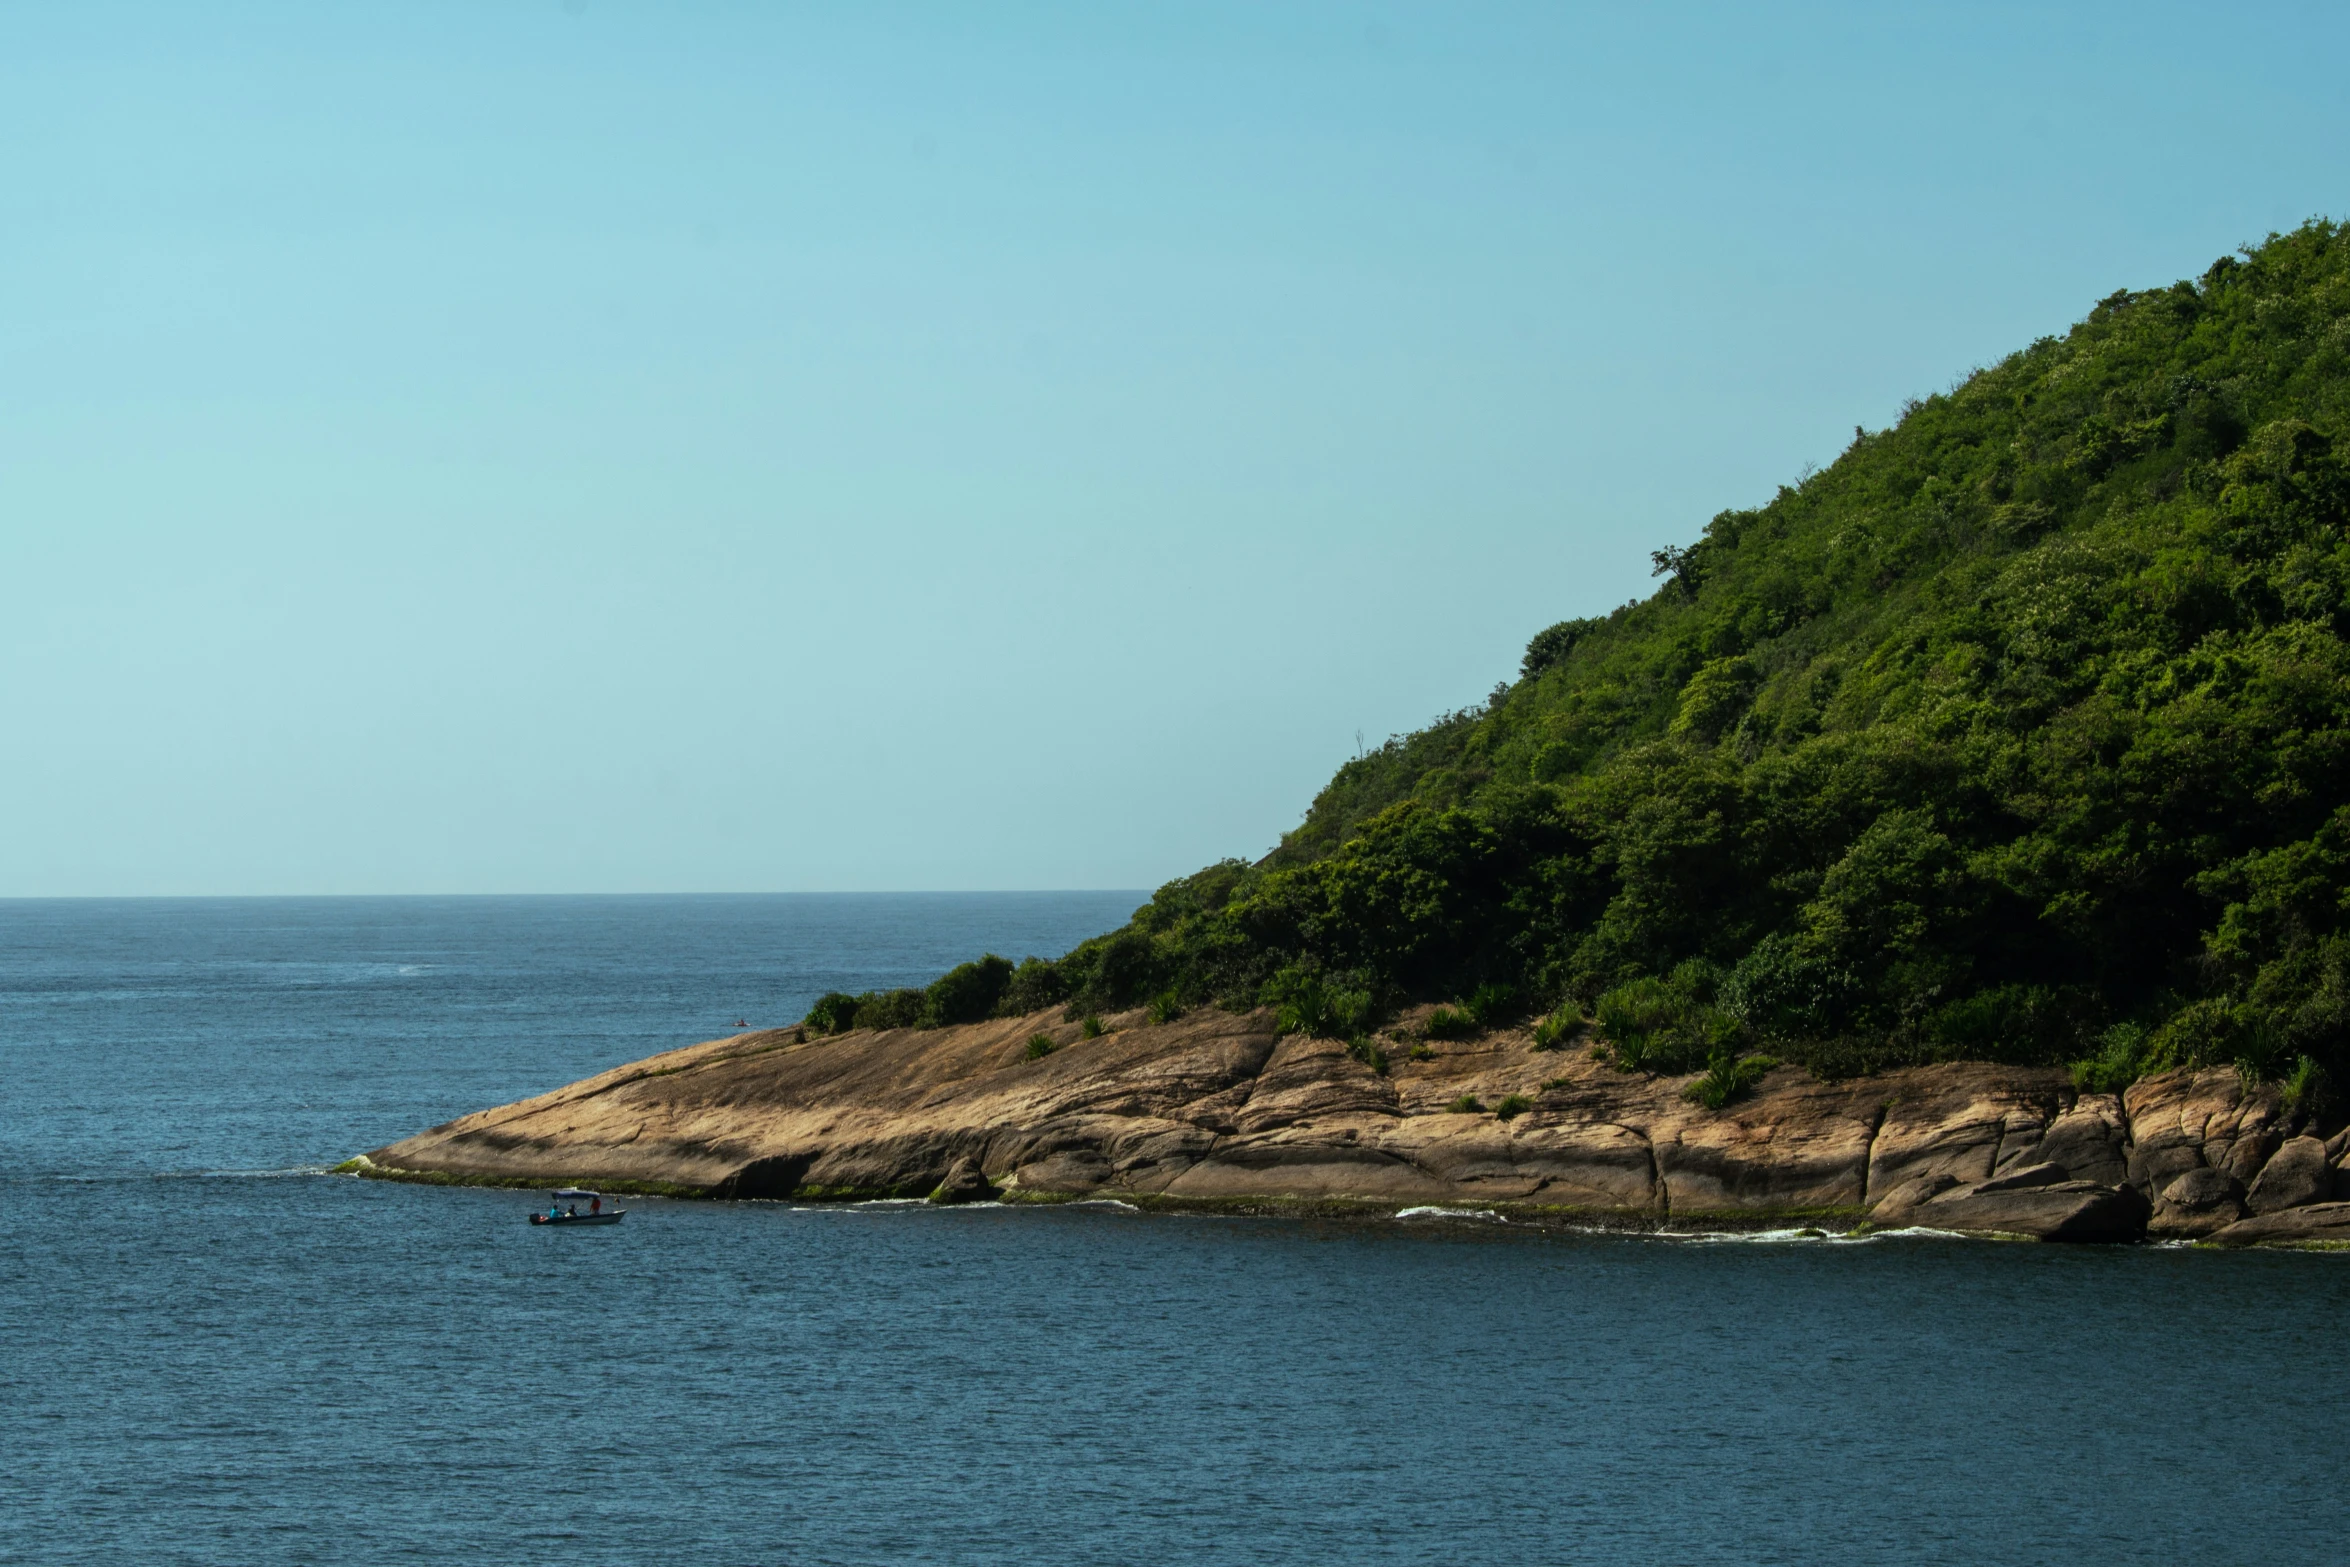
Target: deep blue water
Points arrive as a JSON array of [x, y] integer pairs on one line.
[[207, 1355]]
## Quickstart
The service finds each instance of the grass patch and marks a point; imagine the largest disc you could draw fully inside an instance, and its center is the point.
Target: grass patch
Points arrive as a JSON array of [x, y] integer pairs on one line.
[[1727, 1078], [1449, 1023], [1513, 1107], [1467, 1104], [1040, 1046]]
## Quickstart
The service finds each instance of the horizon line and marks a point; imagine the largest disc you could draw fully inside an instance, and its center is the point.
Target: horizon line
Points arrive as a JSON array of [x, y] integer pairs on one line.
[[804, 892]]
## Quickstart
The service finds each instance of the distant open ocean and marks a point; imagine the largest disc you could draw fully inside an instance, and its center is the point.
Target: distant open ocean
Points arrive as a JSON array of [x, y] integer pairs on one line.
[[212, 1352]]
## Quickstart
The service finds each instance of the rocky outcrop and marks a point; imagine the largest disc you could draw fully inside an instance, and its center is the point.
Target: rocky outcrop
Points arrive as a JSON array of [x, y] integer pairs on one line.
[[963, 1183], [1214, 1109], [2325, 1223], [2296, 1175], [2041, 1201]]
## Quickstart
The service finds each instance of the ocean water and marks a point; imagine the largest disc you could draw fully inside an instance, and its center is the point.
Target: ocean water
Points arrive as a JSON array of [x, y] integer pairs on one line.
[[212, 1353]]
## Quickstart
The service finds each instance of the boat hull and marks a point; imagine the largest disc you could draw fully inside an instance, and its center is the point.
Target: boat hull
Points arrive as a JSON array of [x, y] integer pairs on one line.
[[580, 1218]]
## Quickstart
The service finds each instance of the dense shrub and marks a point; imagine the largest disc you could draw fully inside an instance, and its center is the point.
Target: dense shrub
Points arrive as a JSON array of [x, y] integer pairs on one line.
[[1040, 1046], [1513, 1106], [1114, 972], [1668, 1024], [966, 993], [892, 1008], [1492, 1005], [1552, 645], [1307, 1004], [2121, 1059], [835, 1012], [1035, 985]]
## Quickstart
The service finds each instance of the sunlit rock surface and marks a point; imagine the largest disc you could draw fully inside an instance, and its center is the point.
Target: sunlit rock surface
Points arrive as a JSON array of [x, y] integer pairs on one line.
[[1213, 1109]]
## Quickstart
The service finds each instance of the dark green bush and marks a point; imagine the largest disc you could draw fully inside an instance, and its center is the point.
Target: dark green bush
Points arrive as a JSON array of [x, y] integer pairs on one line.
[[1467, 1104], [1304, 1003], [1493, 1005], [1035, 985], [1040, 1046], [1551, 646], [2120, 1061], [1122, 972], [1513, 1107], [966, 993], [835, 1012], [1165, 1008], [1665, 1025], [892, 1008], [1091, 1027]]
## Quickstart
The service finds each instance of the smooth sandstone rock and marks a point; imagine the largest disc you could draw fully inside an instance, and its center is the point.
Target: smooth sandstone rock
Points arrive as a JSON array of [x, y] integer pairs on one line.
[[2296, 1175], [2320, 1222], [2196, 1202], [1212, 1107], [2090, 1140], [1898, 1207], [2202, 1188], [2185, 1120], [2049, 1211]]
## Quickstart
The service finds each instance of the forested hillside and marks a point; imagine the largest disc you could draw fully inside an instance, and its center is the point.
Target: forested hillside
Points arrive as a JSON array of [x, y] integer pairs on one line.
[[2021, 731]]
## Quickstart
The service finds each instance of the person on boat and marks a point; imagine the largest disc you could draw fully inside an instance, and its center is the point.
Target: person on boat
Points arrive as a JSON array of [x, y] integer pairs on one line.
[[595, 1205], [572, 1211]]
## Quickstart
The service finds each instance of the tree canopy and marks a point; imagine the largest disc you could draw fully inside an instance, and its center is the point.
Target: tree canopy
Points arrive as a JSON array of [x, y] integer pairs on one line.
[[2020, 732]]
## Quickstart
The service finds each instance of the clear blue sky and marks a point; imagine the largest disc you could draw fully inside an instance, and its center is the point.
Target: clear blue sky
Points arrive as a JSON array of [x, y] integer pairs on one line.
[[547, 447]]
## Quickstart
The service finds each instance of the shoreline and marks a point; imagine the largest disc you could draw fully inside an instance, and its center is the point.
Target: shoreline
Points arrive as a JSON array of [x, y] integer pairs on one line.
[[1216, 1112]]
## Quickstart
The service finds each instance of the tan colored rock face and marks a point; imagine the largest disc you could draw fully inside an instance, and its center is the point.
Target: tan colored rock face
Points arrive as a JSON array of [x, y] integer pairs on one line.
[[2295, 1176], [1212, 1107]]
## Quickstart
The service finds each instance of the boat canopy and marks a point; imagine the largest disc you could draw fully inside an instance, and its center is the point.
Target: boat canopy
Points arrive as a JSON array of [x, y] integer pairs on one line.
[[563, 1193]]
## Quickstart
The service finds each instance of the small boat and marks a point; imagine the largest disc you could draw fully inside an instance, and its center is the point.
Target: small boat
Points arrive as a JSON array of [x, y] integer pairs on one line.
[[577, 1205]]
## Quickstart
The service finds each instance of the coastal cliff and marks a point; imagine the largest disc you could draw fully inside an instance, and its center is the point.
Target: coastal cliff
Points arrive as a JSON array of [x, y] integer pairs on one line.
[[1215, 1109], [2017, 734]]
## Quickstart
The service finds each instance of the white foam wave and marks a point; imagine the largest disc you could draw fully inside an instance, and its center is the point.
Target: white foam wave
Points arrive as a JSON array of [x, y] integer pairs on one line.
[[287, 1173], [1808, 1235], [1477, 1215]]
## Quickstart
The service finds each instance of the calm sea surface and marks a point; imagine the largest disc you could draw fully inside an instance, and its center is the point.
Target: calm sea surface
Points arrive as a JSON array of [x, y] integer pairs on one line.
[[209, 1352]]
